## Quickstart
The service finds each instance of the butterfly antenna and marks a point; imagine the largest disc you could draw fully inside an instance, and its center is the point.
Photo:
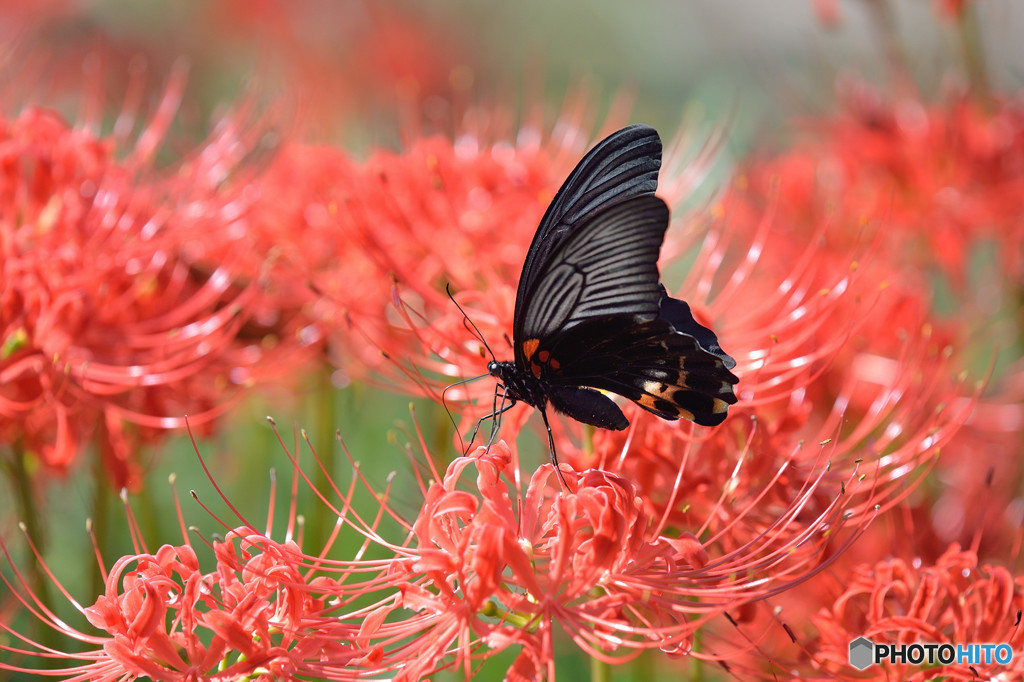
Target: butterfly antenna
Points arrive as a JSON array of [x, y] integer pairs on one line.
[[444, 404], [468, 323]]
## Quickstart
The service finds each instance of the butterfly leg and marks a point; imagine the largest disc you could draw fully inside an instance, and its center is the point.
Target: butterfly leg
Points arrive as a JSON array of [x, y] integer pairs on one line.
[[498, 388], [495, 415], [479, 422], [551, 448]]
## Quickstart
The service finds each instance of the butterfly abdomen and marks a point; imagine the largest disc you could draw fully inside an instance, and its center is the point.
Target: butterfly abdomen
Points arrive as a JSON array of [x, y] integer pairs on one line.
[[579, 402]]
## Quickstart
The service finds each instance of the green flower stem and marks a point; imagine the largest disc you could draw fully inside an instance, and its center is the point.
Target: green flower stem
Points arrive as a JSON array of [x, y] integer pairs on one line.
[[325, 403], [30, 516], [100, 518], [600, 671]]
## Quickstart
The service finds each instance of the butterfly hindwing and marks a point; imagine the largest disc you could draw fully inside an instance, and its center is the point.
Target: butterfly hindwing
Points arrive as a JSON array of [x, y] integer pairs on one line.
[[651, 362], [678, 314], [673, 377]]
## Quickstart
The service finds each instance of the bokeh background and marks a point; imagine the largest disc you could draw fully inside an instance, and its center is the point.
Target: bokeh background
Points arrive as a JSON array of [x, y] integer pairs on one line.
[[366, 76]]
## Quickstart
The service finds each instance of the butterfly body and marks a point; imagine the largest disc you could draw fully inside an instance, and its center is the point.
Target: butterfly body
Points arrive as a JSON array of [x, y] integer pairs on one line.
[[591, 314], [579, 402]]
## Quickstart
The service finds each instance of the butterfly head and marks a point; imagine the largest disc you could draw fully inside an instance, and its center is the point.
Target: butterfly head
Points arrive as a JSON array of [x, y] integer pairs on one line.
[[517, 385], [505, 372]]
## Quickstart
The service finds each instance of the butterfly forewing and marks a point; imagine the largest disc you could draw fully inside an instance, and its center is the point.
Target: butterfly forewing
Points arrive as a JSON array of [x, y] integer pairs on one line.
[[607, 266], [623, 165]]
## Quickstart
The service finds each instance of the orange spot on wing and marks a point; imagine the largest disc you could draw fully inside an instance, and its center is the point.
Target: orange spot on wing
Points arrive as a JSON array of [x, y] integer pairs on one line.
[[535, 368], [543, 356], [530, 347]]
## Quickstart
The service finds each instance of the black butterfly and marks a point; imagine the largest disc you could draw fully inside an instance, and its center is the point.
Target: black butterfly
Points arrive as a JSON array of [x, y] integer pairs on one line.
[[591, 312]]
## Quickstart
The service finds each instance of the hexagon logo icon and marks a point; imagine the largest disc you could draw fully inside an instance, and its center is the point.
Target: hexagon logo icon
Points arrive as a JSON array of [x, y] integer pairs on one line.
[[862, 652]]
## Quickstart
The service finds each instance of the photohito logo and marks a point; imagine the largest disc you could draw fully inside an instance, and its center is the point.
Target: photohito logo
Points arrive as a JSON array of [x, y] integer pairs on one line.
[[864, 653]]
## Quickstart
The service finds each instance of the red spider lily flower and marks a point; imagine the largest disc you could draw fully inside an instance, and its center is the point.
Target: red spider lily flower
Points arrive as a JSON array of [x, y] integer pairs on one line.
[[435, 195], [319, 271], [110, 330], [955, 601], [887, 416], [264, 609], [943, 177], [482, 567], [163, 618], [844, 348], [335, 245], [979, 463], [889, 389], [485, 568], [288, 239]]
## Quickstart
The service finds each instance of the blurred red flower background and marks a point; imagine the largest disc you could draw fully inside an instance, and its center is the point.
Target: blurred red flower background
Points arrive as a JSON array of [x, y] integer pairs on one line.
[[213, 212]]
